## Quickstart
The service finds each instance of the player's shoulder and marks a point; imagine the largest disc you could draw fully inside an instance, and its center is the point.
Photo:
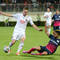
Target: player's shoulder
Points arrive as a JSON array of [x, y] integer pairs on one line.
[[46, 13], [50, 12], [29, 17], [20, 14], [54, 15]]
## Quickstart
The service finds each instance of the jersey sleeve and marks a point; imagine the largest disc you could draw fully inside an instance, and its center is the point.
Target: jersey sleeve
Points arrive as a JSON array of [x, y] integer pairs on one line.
[[51, 36], [15, 15], [51, 13], [30, 21], [45, 14]]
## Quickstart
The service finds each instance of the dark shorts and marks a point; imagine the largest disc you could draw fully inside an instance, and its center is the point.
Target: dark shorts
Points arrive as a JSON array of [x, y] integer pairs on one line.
[[56, 27], [43, 48]]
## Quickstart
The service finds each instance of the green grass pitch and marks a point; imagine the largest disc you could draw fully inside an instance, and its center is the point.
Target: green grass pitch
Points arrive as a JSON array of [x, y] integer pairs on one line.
[[33, 38]]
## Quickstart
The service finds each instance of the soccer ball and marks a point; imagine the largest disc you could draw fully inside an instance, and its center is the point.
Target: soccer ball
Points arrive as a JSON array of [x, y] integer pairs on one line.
[[6, 49]]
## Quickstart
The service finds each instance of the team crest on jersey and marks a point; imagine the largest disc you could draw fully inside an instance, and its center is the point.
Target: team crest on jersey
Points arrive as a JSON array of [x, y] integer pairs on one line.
[[22, 21]]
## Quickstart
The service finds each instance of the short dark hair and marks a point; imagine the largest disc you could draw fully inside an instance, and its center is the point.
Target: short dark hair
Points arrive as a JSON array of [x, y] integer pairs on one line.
[[25, 8], [48, 8]]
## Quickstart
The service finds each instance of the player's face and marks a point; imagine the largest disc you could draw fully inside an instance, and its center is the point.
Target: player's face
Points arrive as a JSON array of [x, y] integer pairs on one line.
[[25, 12], [48, 10], [55, 34], [57, 12]]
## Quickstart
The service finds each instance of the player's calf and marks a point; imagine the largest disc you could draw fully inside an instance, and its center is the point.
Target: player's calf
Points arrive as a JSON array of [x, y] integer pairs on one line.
[[32, 49], [12, 43], [20, 46], [43, 53]]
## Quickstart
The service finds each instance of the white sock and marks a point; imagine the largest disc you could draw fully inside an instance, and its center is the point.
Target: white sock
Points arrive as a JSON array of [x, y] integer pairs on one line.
[[20, 46], [49, 30]]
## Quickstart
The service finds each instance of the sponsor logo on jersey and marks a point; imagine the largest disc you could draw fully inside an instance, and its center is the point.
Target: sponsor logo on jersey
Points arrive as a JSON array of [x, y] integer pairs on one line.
[[54, 42]]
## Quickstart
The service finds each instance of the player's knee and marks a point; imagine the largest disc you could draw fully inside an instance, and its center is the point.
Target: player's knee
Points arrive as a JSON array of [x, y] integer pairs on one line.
[[44, 53], [23, 39], [37, 48], [49, 26], [13, 41]]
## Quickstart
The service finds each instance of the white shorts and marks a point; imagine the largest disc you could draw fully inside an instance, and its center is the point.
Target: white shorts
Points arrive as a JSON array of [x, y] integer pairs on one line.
[[18, 35], [48, 24]]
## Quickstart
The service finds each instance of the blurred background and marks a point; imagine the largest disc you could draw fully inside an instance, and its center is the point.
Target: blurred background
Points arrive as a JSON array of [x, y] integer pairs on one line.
[[35, 7]]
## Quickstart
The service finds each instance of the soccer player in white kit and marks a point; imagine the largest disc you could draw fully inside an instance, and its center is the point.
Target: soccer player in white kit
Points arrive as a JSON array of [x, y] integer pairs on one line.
[[48, 16], [20, 28]]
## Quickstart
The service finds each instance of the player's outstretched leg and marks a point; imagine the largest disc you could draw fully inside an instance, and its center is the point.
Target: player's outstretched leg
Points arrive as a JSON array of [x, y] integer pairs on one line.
[[49, 29], [42, 53], [32, 49], [20, 46], [11, 44], [45, 28]]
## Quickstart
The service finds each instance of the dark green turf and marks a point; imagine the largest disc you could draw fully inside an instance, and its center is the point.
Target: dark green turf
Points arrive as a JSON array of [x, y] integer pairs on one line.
[[33, 38]]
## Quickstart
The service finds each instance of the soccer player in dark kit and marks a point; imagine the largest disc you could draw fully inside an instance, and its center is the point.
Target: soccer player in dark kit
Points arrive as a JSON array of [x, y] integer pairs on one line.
[[54, 42], [50, 48], [56, 20]]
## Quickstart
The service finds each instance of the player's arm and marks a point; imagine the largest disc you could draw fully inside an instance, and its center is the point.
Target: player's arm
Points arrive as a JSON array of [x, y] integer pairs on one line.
[[34, 26], [39, 29], [6, 14]]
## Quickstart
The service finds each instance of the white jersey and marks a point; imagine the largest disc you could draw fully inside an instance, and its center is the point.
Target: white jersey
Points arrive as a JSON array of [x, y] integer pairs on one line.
[[49, 16], [22, 22]]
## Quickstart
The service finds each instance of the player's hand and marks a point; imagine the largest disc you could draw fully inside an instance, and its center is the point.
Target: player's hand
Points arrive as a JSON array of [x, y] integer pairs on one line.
[[40, 29]]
